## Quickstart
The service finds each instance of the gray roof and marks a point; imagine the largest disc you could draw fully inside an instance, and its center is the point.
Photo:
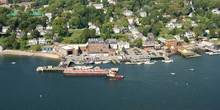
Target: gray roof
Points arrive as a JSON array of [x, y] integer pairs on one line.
[[96, 41]]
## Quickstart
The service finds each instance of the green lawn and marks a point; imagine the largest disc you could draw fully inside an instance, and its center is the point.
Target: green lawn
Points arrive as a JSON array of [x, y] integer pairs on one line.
[[75, 35]]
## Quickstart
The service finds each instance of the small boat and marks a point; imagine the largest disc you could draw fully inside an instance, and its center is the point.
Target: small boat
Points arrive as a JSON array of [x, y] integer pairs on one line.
[[139, 63], [149, 62], [114, 75], [98, 62], [13, 63], [105, 62], [172, 73], [129, 63], [191, 69], [167, 61]]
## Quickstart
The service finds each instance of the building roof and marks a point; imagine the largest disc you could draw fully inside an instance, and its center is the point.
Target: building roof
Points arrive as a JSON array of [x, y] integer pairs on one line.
[[96, 41]]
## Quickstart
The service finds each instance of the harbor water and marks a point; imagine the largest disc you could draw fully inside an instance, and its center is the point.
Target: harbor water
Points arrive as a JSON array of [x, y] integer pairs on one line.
[[186, 84]]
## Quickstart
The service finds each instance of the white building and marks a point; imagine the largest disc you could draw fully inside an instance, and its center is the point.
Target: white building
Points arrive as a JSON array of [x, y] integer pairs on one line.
[[48, 27], [131, 20], [5, 28], [39, 28], [205, 44], [216, 11], [42, 41], [111, 1], [49, 15], [178, 38], [143, 13], [188, 35], [128, 13], [172, 25], [194, 24], [33, 42], [122, 44], [116, 30], [92, 26], [98, 6], [161, 39]]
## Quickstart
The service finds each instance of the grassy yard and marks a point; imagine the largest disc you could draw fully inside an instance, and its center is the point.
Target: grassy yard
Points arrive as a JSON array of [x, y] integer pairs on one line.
[[75, 36]]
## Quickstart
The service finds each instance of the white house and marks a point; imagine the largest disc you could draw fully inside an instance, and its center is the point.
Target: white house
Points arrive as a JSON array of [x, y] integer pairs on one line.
[[177, 37], [161, 39], [111, 19], [49, 15], [48, 27], [143, 13], [112, 42], [98, 6], [188, 34], [216, 11], [39, 28], [42, 41], [5, 28], [172, 25], [194, 24], [42, 32], [92, 26], [191, 15], [33, 42], [111, 1], [122, 44], [131, 20], [128, 13], [116, 30]]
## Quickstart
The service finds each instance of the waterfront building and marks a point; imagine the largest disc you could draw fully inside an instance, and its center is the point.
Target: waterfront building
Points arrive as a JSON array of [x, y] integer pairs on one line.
[[205, 44], [71, 49], [47, 48], [98, 47]]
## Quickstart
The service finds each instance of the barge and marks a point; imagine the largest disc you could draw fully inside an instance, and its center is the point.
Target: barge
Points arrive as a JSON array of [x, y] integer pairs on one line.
[[87, 71]]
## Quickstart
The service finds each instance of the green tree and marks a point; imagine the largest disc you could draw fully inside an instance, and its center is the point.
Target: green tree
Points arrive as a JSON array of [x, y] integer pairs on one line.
[[35, 34]]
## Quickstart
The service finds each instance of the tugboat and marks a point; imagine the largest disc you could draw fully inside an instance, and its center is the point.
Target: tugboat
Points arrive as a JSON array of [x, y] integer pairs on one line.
[[113, 74]]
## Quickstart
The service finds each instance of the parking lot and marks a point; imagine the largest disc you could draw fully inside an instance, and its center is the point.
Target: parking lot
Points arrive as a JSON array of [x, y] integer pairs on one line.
[[142, 54]]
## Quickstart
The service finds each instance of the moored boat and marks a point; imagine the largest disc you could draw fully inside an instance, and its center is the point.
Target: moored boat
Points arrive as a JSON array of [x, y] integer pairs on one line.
[[149, 62], [114, 75], [167, 61], [105, 62], [98, 62]]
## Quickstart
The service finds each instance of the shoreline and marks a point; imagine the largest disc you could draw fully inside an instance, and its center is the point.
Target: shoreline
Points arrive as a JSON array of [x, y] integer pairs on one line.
[[25, 53]]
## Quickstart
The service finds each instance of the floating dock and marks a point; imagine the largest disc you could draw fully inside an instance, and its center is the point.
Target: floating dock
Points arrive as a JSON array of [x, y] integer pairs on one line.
[[50, 69]]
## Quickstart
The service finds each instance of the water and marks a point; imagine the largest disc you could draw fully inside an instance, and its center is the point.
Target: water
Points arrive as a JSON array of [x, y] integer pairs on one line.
[[195, 86]]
